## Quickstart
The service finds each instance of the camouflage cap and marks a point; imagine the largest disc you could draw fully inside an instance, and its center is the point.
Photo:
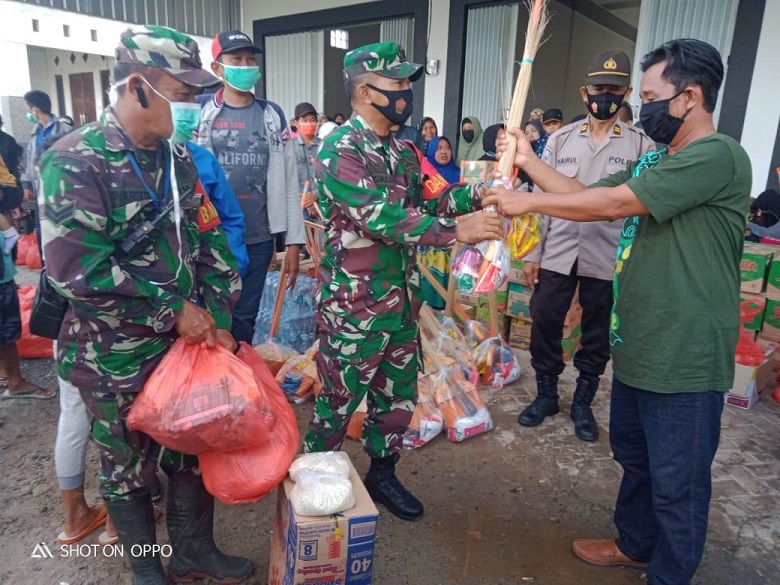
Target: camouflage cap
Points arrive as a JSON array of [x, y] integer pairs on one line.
[[385, 59], [166, 48]]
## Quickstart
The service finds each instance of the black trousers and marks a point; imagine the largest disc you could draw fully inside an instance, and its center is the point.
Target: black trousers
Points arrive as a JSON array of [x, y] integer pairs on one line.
[[550, 303]]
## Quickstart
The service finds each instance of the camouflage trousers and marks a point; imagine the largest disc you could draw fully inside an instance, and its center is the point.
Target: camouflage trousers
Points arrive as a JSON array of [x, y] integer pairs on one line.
[[128, 459], [380, 365]]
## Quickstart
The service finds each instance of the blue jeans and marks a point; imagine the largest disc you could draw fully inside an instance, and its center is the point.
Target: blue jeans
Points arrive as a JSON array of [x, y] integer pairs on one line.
[[665, 444], [245, 311]]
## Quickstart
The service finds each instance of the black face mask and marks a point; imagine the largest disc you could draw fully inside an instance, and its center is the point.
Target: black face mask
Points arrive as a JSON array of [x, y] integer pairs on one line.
[[658, 123], [604, 105], [400, 104], [468, 135]]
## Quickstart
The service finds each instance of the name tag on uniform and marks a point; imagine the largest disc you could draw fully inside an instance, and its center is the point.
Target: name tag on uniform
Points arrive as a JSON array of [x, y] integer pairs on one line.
[[568, 160], [208, 218]]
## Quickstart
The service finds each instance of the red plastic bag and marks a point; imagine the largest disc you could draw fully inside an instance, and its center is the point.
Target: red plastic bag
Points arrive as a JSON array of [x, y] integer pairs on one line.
[[34, 256], [23, 248], [244, 476], [29, 345], [202, 399]]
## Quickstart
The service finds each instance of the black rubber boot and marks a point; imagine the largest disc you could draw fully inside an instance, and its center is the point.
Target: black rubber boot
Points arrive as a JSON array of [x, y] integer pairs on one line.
[[134, 523], [190, 516], [384, 488], [585, 426], [545, 404]]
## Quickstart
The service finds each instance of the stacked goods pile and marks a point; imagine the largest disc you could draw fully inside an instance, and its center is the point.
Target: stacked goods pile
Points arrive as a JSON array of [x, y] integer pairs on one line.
[[518, 312], [298, 376]]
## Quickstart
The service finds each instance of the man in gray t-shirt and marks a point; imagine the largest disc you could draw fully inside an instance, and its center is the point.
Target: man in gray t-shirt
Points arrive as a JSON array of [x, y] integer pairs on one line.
[[248, 137], [238, 139]]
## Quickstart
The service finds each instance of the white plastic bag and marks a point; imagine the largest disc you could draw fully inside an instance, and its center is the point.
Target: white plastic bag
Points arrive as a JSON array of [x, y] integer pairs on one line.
[[321, 494], [334, 463]]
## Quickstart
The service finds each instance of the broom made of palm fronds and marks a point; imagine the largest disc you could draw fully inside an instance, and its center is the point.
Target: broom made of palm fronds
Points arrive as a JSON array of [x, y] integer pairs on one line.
[[538, 19]]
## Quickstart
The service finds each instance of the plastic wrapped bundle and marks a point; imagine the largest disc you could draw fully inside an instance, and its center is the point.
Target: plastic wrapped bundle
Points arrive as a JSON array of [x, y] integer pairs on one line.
[[327, 462], [298, 376], [427, 421], [275, 355], [463, 410], [481, 268], [321, 494], [496, 363], [296, 324]]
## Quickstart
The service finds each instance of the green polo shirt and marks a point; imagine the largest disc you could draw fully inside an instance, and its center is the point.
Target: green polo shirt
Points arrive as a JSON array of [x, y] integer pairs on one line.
[[676, 316]]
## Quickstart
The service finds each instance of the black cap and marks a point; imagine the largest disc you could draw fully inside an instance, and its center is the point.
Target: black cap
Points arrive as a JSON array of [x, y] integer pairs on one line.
[[304, 108], [610, 68], [229, 41], [552, 114]]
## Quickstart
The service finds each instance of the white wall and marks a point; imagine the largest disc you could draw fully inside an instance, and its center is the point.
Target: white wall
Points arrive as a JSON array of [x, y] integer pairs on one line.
[[436, 86], [763, 107]]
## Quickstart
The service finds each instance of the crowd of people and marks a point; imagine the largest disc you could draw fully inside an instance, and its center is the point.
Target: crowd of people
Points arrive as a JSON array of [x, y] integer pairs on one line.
[[228, 181]]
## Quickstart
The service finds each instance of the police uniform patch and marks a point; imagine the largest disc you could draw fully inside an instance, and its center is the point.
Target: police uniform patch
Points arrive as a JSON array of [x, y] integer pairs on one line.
[[547, 154]]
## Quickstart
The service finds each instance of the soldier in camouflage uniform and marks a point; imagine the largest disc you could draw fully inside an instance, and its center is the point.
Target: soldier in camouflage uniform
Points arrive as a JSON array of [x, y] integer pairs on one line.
[[128, 305], [370, 192]]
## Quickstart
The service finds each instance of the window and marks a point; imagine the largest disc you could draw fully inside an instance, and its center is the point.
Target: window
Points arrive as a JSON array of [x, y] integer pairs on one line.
[[93, 34], [65, 30], [339, 39], [36, 26]]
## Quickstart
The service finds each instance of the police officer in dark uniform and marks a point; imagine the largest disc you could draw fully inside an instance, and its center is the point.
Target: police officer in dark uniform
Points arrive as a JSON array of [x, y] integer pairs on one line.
[[581, 254]]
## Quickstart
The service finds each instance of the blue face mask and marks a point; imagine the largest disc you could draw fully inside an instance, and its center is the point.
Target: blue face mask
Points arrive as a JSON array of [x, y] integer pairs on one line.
[[31, 118]]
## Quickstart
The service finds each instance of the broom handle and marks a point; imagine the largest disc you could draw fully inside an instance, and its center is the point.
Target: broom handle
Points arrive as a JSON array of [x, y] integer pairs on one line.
[[449, 299], [459, 311], [279, 302]]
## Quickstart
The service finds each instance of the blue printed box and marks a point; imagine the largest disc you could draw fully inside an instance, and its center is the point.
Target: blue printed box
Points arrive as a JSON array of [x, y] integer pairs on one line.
[[332, 550]]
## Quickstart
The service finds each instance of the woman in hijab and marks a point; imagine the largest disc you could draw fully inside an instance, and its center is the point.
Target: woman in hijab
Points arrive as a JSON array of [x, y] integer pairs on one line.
[[428, 131], [492, 133], [440, 156], [470, 146], [437, 260], [534, 132]]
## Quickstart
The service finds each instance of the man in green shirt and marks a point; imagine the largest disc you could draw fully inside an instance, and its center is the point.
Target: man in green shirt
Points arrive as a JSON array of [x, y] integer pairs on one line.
[[675, 319]]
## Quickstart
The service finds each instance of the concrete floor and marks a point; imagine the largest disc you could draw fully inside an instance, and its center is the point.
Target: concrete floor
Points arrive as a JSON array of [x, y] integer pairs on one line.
[[501, 508]]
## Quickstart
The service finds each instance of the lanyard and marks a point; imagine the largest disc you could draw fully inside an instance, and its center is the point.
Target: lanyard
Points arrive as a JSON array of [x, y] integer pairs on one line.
[[149, 190]]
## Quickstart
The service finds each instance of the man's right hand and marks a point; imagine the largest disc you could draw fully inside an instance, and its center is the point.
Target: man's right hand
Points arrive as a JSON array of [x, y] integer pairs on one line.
[[29, 195], [195, 325], [524, 151], [531, 272], [483, 225]]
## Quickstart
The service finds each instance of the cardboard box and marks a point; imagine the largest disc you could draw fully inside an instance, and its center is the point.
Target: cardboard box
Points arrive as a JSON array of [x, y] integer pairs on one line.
[[519, 301], [520, 333], [773, 279], [754, 266], [758, 302], [516, 272], [749, 378], [476, 171], [743, 402], [336, 549], [771, 326], [466, 300]]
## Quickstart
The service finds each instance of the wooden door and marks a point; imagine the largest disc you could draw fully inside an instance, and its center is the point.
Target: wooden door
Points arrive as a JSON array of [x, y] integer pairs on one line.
[[82, 95]]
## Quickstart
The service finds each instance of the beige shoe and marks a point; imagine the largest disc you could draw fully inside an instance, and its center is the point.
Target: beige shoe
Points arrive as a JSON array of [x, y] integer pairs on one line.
[[602, 552]]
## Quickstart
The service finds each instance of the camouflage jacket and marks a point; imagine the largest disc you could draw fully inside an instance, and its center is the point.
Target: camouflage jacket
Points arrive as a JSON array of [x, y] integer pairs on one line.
[[370, 194], [123, 308]]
